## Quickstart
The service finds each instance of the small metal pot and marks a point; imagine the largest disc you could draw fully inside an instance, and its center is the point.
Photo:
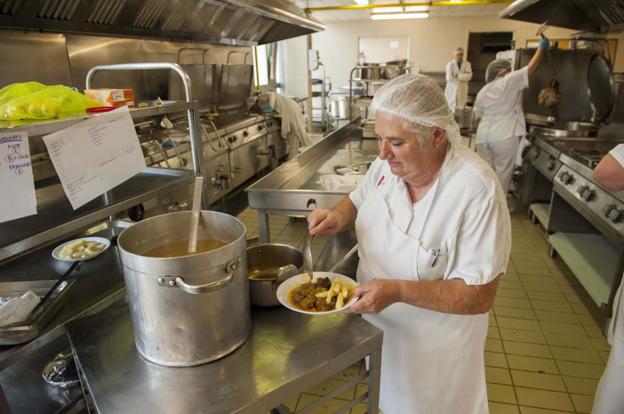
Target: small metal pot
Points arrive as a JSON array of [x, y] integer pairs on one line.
[[370, 71], [268, 266]]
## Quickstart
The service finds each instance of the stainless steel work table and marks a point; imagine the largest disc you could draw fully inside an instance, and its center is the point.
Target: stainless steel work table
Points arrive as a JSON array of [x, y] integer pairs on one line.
[[287, 353], [295, 189]]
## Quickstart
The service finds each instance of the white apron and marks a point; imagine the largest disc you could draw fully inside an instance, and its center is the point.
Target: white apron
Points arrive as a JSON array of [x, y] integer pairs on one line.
[[432, 362]]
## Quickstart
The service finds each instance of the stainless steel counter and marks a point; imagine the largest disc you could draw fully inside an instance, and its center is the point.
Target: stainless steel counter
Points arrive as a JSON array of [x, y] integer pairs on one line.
[[286, 354], [295, 189]]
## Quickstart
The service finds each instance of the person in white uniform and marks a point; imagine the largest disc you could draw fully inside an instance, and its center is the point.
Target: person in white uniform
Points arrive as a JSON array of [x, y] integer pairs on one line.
[[499, 107], [458, 74], [609, 397], [434, 236]]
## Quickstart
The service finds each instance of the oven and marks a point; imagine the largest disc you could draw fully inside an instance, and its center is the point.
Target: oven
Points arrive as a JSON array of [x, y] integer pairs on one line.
[[586, 222]]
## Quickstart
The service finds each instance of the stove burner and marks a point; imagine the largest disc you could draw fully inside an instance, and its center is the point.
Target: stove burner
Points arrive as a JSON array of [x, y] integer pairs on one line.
[[591, 158]]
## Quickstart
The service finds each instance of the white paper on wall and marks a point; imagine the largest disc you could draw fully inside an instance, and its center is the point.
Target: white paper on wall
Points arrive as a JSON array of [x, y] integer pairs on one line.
[[16, 177], [95, 155]]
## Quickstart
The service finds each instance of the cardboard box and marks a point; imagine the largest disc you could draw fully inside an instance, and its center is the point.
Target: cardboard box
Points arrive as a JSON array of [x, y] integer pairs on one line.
[[112, 97]]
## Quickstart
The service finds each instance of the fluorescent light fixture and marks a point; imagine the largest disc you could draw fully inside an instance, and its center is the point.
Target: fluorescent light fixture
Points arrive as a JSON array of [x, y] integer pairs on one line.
[[387, 9], [411, 9], [398, 16], [361, 2]]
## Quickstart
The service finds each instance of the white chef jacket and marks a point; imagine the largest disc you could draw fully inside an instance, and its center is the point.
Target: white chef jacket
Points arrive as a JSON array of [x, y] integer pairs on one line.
[[456, 90], [433, 362], [499, 105]]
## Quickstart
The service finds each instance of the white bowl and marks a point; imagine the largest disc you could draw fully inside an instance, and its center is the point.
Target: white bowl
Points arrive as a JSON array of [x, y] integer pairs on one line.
[[56, 253], [283, 291]]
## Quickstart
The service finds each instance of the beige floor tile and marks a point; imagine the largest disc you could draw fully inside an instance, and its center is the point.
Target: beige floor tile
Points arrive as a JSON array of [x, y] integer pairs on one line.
[[551, 306], [549, 316], [516, 323], [593, 331], [532, 270], [539, 279], [359, 409], [538, 380], [582, 403], [563, 328], [495, 359], [534, 410], [329, 385], [573, 298], [570, 341], [511, 293], [584, 386], [494, 345], [492, 321], [580, 369], [604, 355], [527, 349], [542, 287], [513, 302], [292, 403], [576, 355], [501, 393], [522, 336], [601, 344], [586, 319], [328, 407], [497, 375], [580, 308], [510, 284], [493, 333], [514, 312], [549, 296], [525, 363], [500, 408], [544, 399]]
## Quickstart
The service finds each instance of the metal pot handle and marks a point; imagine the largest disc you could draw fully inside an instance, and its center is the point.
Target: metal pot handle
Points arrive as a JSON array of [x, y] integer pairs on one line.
[[208, 287]]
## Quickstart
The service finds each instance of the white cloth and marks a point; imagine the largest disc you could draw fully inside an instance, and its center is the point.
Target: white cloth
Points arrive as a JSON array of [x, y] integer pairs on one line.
[[457, 79], [501, 156], [499, 105], [609, 398], [433, 362], [17, 309], [293, 125]]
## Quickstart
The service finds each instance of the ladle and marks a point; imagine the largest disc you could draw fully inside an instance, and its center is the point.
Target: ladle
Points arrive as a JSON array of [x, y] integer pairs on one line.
[[197, 196]]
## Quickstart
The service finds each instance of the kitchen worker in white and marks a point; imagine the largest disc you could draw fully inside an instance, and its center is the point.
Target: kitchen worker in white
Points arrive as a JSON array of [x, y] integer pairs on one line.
[[609, 397], [499, 106], [434, 236], [458, 74]]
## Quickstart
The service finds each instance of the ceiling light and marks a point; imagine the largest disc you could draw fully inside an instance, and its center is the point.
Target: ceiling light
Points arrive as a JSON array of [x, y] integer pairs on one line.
[[417, 8], [398, 16], [361, 2], [387, 9]]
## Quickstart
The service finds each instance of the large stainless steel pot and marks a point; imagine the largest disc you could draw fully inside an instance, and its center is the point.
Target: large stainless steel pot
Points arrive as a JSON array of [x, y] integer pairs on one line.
[[370, 71], [187, 310], [338, 107], [269, 265]]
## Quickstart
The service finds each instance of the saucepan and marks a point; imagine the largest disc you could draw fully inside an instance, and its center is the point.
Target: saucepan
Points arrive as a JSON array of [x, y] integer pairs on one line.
[[269, 265]]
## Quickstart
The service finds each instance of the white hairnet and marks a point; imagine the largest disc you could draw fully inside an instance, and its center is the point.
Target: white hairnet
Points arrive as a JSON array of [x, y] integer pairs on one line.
[[418, 99], [459, 50], [496, 68]]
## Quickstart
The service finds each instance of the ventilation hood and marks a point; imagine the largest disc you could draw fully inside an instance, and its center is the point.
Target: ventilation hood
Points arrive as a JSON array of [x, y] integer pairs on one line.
[[234, 22], [598, 16]]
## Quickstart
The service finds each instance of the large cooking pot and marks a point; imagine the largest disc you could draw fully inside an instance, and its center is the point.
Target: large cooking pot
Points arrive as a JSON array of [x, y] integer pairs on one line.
[[338, 107], [187, 310], [268, 266], [370, 71]]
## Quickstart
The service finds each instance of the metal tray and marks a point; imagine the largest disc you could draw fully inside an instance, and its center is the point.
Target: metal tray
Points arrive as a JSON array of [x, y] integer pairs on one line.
[[19, 333]]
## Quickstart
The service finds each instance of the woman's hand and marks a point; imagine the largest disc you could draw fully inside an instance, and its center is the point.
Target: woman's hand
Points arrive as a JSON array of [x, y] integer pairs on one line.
[[375, 296], [323, 222]]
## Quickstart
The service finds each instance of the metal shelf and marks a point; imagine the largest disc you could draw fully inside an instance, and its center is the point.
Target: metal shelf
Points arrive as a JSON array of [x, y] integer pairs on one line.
[[56, 218], [37, 128]]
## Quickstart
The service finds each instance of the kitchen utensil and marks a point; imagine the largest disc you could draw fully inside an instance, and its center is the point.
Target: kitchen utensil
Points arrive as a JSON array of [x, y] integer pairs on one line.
[[549, 96], [56, 253], [197, 193], [344, 259], [283, 291], [187, 310], [269, 265], [307, 256]]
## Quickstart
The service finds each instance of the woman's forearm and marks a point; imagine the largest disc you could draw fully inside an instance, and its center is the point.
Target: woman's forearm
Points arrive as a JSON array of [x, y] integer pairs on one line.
[[448, 296], [346, 214]]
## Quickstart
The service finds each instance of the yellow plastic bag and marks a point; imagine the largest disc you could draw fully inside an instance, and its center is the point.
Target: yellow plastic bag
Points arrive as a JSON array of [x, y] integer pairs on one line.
[[30, 101]]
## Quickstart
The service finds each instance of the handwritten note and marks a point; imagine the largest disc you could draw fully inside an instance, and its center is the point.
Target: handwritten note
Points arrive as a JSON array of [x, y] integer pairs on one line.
[[17, 188], [96, 155]]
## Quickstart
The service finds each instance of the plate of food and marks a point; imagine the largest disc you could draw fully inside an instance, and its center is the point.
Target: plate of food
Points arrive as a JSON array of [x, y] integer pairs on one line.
[[82, 249], [326, 293]]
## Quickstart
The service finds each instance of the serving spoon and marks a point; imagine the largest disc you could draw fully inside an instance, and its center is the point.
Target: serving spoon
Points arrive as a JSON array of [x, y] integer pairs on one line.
[[197, 192]]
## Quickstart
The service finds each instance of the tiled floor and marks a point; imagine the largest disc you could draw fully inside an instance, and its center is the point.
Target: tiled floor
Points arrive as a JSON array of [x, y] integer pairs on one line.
[[544, 353]]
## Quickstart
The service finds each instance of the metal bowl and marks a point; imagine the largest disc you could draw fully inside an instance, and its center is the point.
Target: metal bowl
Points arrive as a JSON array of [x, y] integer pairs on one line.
[[268, 266]]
